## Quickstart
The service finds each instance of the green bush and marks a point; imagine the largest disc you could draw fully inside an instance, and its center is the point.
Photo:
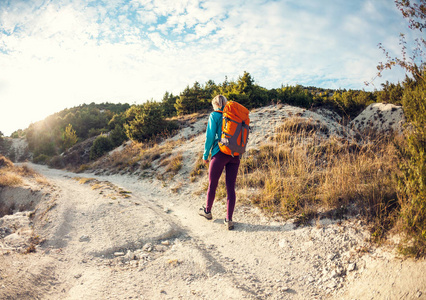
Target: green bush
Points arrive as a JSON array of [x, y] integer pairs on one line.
[[296, 96], [100, 146], [41, 159], [147, 123], [117, 135], [56, 162], [412, 181]]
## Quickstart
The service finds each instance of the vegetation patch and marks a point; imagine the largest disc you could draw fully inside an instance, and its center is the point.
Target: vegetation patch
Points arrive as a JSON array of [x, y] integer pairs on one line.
[[10, 175], [199, 168], [297, 175], [84, 180], [10, 179], [173, 164], [106, 188]]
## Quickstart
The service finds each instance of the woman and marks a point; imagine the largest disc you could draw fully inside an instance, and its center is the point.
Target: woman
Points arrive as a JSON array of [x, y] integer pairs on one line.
[[219, 161]]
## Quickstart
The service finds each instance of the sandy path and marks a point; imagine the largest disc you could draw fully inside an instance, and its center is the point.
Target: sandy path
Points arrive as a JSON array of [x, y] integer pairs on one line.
[[172, 253]]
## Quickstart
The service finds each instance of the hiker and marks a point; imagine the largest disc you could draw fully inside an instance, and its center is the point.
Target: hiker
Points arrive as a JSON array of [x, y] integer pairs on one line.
[[218, 162]]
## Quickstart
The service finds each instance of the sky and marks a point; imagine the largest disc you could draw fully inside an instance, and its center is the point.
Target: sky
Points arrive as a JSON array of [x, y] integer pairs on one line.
[[57, 54]]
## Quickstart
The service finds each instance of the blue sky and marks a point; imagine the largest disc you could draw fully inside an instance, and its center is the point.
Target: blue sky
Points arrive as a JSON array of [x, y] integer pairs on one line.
[[63, 53]]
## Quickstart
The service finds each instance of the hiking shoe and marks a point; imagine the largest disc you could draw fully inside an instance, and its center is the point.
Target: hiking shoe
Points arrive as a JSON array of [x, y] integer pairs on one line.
[[205, 214], [229, 224]]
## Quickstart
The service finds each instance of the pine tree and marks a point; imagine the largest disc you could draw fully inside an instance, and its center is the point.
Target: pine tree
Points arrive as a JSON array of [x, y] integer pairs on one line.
[[69, 137]]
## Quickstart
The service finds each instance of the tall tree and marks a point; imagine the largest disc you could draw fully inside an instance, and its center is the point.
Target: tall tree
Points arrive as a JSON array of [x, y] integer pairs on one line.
[[245, 91], [69, 137], [147, 123], [168, 103], [192, 99]]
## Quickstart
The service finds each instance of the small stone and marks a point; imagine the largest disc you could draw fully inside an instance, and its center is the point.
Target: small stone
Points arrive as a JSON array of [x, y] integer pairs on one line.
[[148, 247], [130, 255], [84, 238], [160, 248], [351, 267], [118, 253], [282, 243], [165, 243], [334, 274]]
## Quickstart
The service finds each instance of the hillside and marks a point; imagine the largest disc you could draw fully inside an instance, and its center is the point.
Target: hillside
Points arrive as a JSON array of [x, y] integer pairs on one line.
[[130, 230], [106, 126]]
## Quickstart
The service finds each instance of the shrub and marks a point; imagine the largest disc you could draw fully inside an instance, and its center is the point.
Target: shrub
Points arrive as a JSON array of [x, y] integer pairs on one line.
[[101, 145], [117, 135], [56, 162], [41, 159], [412, 181], [296, 96], [147, 123]]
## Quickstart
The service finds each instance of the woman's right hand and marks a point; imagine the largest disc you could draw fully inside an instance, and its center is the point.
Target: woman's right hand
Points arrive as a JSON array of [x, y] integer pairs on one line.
[[206, 161]]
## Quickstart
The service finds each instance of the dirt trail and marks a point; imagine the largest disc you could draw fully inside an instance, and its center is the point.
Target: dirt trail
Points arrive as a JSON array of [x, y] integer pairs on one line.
[[119, 237]]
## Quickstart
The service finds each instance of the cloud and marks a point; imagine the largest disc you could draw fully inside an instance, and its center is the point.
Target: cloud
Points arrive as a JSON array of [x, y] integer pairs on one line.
[[68, 52]]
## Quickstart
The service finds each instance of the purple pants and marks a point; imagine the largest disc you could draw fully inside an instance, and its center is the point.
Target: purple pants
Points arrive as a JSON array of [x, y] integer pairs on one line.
[[231, 164]]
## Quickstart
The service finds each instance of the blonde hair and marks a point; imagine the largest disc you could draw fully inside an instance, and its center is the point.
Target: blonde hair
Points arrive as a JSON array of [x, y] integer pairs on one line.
[[218, 102]]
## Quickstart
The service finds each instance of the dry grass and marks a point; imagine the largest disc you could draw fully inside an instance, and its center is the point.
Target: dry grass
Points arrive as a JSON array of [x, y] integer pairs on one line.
[[40, 179], [13, 176], [173, 164], [10, 175], [84, 180], [136, 156], [199, 168], [298, 172], [10, 179]]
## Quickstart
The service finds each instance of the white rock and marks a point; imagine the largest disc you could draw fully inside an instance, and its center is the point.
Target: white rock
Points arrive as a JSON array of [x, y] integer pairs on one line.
[[351, 267], [84, 238], [130, 255], [148, 247], [282, 243]]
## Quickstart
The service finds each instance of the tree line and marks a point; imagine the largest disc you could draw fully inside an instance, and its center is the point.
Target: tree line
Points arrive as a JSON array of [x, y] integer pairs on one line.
[[115, 123]]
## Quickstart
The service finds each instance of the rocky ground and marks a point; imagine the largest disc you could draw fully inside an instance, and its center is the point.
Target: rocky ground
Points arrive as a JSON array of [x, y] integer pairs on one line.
[[131, 237]]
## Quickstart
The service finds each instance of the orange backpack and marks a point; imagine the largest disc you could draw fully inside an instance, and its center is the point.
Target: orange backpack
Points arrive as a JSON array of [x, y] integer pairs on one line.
[[235, 129]]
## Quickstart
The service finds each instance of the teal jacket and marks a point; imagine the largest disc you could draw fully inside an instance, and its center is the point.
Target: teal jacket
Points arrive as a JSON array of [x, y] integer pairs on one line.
[[213, 133]]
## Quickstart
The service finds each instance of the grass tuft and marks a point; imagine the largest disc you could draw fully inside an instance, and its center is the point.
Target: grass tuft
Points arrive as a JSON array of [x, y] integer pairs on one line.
[[199, 168]]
